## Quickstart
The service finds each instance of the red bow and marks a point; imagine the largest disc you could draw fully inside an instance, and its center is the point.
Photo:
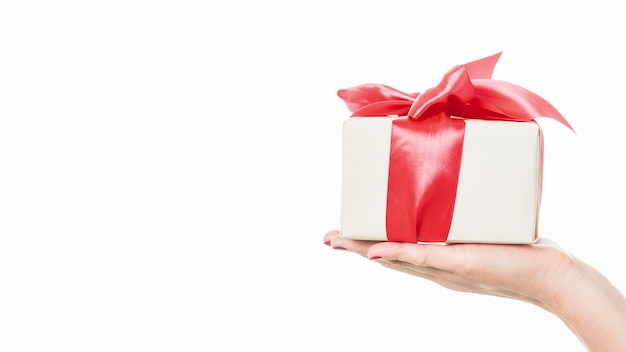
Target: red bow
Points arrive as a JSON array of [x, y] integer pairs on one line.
[[465, 91]]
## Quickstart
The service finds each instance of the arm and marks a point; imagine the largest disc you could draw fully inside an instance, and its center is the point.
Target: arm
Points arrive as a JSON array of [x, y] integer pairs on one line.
[[542, 274]]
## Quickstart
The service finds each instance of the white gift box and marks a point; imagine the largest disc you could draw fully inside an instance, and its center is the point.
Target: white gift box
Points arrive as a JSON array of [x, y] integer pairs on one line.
[[498, 192]]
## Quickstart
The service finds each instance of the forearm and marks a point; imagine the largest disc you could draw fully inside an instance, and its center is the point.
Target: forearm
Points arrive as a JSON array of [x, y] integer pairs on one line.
[[592, 308]]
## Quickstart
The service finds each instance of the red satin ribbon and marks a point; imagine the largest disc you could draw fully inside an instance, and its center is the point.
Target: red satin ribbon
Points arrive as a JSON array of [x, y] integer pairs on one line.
[[426, 148]]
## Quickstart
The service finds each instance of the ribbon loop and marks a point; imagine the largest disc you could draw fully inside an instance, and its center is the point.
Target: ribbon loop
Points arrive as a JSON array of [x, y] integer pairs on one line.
[[376, 100]]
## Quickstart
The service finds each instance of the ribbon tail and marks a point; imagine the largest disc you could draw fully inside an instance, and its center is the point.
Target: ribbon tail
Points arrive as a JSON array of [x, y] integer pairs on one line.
[[508, 99]]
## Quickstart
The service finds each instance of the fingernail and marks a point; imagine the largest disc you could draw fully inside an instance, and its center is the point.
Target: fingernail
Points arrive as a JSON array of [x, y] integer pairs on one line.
[[327, 243], [375, 257], [339, 248]]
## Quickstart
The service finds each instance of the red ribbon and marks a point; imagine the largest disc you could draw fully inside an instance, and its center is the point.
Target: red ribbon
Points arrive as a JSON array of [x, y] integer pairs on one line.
[[426, 148]]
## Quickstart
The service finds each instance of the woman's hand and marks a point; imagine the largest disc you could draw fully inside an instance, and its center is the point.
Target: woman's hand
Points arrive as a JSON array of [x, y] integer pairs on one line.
[[542, 274], [527, 272]]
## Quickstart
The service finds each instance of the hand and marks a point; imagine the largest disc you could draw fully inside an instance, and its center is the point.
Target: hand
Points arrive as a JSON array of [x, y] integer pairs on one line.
[[542, 274], [526, 272]]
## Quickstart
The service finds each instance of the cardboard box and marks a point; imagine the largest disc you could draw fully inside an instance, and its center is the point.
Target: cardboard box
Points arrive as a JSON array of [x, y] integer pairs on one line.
[[499, 182]]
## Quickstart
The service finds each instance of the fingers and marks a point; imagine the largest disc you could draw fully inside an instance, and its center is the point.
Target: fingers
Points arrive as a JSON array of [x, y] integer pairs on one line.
[[357, 246], [334, 240], [329, 236], [444, 257]]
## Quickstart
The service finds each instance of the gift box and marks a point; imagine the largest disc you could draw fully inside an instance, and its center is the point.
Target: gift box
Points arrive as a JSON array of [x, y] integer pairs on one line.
[[461, 162]]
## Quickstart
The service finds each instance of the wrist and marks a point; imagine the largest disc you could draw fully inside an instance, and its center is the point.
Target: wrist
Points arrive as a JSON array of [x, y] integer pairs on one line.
[[590, 306]]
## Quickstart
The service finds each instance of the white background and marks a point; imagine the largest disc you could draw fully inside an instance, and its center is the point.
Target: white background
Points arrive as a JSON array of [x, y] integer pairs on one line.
[[168, 170]]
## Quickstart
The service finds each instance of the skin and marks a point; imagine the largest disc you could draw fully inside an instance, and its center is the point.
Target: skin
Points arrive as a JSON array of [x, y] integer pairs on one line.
[[542, 274]]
